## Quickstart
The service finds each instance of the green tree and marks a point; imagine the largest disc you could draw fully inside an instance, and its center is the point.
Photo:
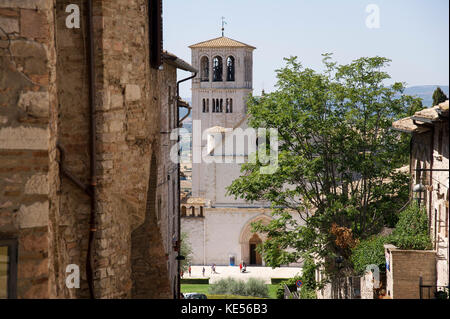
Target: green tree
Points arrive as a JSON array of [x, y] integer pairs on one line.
[[439, 96], [186, 251], [337, 159]]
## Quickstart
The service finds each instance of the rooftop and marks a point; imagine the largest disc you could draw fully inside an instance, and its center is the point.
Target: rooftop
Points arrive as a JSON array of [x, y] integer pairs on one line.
[[411, 123], [221, 42]]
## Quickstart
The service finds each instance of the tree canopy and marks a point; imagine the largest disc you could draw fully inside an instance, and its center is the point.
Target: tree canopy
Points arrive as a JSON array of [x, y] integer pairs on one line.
[[337, 158]]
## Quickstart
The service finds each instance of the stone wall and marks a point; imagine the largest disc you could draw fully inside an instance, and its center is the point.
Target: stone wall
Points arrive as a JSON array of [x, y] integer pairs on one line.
[[439, 196], [28, 170], [44, 103], [431, 150]]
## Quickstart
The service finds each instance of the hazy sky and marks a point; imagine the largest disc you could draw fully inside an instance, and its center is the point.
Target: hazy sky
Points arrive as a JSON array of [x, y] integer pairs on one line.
[[414, 34]]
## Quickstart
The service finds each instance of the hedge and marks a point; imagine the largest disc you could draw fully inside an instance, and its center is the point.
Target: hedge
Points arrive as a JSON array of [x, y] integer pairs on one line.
[[276, 281], [195, 281]]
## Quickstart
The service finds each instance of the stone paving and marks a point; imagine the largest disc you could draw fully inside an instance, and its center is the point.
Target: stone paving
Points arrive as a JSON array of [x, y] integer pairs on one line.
[[264, 273]]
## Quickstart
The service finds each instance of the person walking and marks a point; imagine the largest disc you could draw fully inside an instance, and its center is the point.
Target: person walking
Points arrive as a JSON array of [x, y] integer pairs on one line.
[[189, 270], [203, 271], [240, 266]]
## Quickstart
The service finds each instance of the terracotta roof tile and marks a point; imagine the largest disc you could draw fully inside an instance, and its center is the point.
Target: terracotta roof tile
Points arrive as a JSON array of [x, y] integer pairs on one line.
[[221, 42]]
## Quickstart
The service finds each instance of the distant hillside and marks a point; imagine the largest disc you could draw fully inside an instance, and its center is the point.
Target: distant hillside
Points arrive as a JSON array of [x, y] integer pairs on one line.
[[425, 92]]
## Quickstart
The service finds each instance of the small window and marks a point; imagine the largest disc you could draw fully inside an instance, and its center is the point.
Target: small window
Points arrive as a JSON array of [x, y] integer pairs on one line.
[[221, 106], [207, 105], [204, 105], [214, 106], [231, 106], [230, 69], [217, 69], [8, 269], [204, 67]]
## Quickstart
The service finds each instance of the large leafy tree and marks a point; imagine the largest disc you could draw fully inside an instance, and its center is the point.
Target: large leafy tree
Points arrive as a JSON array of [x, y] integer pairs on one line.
[[337, 159]]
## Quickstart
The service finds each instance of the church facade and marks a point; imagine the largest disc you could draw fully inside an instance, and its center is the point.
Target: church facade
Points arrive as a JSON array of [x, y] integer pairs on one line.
[[219, 226]]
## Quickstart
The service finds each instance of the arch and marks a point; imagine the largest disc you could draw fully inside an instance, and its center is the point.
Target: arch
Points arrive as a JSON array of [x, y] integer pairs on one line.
[[183, 210], [247, 236], [204, 69], [217, 69], [230, 68]]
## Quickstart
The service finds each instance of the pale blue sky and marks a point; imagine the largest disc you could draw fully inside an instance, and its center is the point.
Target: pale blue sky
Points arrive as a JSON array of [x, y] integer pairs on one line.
[[413, 33]]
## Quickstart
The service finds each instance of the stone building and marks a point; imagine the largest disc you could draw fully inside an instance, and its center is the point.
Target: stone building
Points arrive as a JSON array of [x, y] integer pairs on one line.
[[219, 226], [429, 169], [85, 179]]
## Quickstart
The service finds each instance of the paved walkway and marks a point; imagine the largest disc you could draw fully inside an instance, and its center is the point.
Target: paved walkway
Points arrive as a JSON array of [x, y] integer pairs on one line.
[[264, 273]]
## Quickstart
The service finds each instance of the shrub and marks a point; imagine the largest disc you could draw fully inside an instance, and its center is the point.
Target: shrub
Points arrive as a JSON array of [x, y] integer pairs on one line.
[[307, 293], [369, 251], [256, 288], [230, 286], [411, 231]]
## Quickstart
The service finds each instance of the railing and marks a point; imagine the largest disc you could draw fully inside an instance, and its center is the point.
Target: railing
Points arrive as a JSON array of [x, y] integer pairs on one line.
[[290, 295]]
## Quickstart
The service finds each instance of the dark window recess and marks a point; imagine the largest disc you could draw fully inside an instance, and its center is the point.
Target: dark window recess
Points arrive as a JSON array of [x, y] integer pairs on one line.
[[204, 77], [217, 69], [155, 32], [229, 106], [230, 68], [8, 269]]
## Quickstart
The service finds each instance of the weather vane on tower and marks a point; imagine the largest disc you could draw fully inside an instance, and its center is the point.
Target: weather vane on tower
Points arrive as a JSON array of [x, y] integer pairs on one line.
[[223, 25]]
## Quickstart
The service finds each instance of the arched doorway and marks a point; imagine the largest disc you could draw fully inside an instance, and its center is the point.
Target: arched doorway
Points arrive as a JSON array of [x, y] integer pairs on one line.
[[255, 257], [250, 240]]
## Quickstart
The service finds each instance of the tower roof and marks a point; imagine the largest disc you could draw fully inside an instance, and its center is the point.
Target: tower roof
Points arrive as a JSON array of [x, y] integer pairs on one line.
[[221, 42]]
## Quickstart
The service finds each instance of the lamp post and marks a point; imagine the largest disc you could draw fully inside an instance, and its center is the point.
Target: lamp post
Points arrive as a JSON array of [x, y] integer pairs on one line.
[[419, 188], [338, 261]]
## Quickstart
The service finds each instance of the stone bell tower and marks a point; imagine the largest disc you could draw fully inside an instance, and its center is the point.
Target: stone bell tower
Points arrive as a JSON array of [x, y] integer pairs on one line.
[[220, 90]]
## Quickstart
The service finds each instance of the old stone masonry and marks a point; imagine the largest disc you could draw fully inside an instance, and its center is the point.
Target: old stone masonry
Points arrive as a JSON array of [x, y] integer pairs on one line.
[[86, 185]]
